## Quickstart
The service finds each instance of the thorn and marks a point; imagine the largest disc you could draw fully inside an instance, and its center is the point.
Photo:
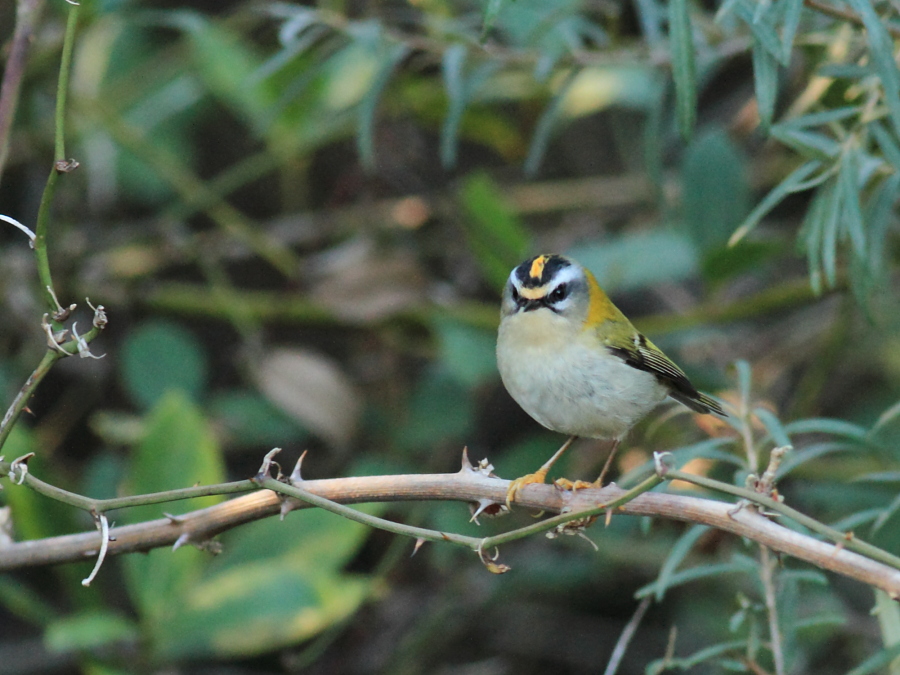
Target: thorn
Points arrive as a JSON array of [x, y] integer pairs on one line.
[[54, 340], [173, 519], [659, 463], [287, 505], [103, 525], [84, 350], [608, 519], [19, 464], [267, 463], [295, 474], [466, 464], [418, 545], [16, 223], [183, 539], [489, 508], [737, 508], [60, 312]]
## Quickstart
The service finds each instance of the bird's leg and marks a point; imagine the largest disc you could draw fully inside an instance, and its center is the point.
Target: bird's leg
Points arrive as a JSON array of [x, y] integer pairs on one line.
[[607, 463], [580, 484], [538, 476]]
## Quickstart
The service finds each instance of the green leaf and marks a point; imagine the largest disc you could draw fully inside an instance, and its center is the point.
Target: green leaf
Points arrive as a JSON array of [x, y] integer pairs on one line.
[[275, 584], [771, 200], [792, 11], [89, 630], [700, 656], [881, 50], [677, 554], [808, 143], [810, 452], [708, 449], [224, 62], [888, 613], [365, 126], [467, 352], [877, 662], [684, 70], [773, 426], [849, 185], [638, 260], [765, 82], [825, 425], [886, 514], [497, 238], [745, 379], [248, 418], [34, 516], [159, 357], [715, 191], [546, 124], [829, 226], [441, 409], [746, 256], [693, 574], [179, 450], [491, 11], [452, 64], [886, 142]]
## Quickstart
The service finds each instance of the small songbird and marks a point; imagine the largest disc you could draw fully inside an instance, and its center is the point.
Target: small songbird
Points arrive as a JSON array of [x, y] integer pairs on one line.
[[575, 363]]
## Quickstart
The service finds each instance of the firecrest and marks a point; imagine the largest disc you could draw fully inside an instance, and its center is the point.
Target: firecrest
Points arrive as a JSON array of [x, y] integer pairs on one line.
[[575, 363]]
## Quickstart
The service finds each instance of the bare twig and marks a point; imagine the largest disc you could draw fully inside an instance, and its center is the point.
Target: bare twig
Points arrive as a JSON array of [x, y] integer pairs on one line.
[[844, 15], [766, 572], [28, 13], [625, 638]]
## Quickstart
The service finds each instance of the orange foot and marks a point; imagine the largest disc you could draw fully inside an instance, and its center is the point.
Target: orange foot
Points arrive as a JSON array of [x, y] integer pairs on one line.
[[516, 486], [566, 484]]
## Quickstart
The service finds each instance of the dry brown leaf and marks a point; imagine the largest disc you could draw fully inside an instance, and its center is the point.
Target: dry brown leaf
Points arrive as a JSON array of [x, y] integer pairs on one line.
[[359, 283], [312, 389]]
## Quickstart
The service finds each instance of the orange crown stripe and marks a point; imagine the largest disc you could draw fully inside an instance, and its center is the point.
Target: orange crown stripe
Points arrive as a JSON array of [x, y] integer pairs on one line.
[[537, 267]]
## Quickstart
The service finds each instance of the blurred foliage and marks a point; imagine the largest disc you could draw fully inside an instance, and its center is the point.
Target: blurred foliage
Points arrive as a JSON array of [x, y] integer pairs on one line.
[[299, 216]]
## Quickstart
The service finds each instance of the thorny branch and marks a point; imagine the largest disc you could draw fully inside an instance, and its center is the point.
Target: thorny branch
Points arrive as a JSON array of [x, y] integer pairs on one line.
[[475, 485]]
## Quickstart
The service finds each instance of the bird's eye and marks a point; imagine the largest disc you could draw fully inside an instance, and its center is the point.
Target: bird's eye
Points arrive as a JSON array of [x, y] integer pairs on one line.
[[559, 293], [515, 294]]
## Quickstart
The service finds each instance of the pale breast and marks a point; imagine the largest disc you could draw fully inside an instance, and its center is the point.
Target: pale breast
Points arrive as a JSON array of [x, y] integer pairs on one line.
[[573, 388]]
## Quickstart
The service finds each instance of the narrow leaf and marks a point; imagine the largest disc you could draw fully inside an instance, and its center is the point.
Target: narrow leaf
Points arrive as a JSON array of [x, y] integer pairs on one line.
[[824, 425], [815, 451], [365, 121], [887, 143], [849, 186], [679, 551], [491, 11], [765, 83], [692, 574], [829, 227], [771, 200], [453, 64], [545, 126], [792, 11], [684, 69], [773, 426], [881, 48]]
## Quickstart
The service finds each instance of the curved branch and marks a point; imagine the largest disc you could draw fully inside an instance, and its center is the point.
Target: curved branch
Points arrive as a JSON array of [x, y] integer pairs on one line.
[[199, 526]]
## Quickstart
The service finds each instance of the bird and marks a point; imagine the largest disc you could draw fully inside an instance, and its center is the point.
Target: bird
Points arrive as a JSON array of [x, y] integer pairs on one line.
[[575, 363]]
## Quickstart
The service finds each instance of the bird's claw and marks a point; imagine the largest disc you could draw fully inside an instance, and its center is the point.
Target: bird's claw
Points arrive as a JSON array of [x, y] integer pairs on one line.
[[515, 487]]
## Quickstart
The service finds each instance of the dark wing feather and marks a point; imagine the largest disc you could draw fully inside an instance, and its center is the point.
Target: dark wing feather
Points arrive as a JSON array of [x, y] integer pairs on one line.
[[641, 355]]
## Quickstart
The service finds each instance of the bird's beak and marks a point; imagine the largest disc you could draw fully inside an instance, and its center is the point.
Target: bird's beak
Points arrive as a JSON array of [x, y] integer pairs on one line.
[[529, 305]]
